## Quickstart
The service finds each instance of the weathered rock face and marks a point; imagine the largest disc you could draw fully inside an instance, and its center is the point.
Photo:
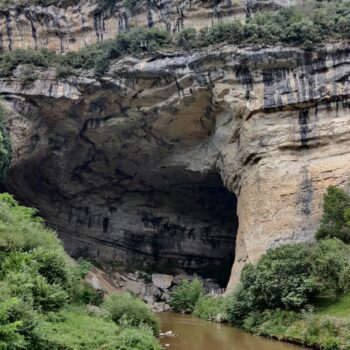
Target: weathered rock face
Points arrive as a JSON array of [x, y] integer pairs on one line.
[[76, 24], [128, 168]]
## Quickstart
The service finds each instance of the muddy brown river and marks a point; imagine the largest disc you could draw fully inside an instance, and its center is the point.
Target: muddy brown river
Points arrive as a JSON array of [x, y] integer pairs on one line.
[[195, 334]]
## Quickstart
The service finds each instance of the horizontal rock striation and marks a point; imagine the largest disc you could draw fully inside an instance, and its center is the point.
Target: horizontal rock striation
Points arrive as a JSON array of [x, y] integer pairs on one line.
[[144, 166], [81, 23]]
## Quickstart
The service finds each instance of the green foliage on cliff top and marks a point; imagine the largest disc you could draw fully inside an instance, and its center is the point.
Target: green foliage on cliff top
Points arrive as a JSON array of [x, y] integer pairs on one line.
[[315, 23], [96, 56], [43, 298]]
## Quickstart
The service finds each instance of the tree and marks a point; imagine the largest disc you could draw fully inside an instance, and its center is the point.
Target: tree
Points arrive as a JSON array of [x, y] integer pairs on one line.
[[335, 221]]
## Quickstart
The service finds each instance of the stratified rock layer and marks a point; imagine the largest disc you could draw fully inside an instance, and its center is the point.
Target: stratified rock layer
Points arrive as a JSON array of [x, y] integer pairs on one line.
[[128, 168], [81, 23]]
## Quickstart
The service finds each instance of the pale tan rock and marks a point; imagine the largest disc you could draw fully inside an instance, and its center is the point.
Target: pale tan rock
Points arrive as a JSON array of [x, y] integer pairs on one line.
[[127, 168], [82, 23], [162, 281]]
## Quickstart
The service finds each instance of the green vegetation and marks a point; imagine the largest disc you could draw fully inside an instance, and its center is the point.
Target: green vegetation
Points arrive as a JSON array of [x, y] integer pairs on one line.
[[299, 26], [296, 292], [291, 277], [125, 309], [335, 221], [44, 3], [311, 329], [210, 308], [5, 147], [44, 299], [96, 56], [334, 306], [185, 296], [310, 24]]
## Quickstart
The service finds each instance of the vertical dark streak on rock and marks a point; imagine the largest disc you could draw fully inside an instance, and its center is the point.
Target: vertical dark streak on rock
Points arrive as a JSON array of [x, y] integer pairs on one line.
[[9, 30], [105, 224], [306, 192], [34, 35], [304, 127]]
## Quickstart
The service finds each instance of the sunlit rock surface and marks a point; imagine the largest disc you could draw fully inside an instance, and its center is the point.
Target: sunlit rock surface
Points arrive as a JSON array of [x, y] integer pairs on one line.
[[144, 166], [73, 24]]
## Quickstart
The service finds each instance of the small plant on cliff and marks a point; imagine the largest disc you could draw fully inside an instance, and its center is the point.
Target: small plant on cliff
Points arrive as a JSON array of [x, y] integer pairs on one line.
[[5, 147], [335, 221], [185, 296]]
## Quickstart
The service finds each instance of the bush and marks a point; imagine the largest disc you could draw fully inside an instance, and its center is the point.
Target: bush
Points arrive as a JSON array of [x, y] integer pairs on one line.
[[335, 219], [128, 311], [36, 291], [290, 277], [238, 306], [74, 329], [40, 290], [281, 278], [9, 326], [132, 339], [185, 296], [21, 229], [210, 308], [330, 266], [187, 39]]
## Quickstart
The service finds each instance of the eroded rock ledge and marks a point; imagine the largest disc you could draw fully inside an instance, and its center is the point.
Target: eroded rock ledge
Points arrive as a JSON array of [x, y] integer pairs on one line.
[[144, 166], [75, 24]]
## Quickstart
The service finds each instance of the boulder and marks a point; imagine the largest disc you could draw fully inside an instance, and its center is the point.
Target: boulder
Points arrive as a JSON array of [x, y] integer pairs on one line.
[[162, 281]]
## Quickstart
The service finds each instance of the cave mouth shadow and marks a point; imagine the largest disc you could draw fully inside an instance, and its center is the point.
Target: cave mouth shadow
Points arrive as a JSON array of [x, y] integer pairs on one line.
[[206, 229], [188, 224]]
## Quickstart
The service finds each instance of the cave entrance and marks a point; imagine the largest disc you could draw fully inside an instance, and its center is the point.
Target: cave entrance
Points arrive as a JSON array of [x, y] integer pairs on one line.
[[196, 225]]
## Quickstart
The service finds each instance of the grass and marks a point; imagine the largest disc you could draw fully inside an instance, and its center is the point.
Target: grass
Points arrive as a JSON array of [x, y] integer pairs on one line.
[[337, 307], [74, 328], [44, 301]]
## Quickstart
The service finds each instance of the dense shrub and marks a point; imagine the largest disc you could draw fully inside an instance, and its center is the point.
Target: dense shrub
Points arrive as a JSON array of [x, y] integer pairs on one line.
[[132, 339], [310, 329], [210, 308], [96, 56], [72, 329], [330, 266], [185, 296], [336, 214], [128, 311], [10, 337], [291, 26], [43, 297], [290, 277], [11, 59]]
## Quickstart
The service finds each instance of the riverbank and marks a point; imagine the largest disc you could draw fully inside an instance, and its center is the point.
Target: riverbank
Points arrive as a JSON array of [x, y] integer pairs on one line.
[[324, 326], [189, 332]]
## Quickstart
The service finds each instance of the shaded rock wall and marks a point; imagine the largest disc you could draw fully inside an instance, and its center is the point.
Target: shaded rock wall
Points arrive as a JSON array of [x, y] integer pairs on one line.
[[127, 168], [85, 22]]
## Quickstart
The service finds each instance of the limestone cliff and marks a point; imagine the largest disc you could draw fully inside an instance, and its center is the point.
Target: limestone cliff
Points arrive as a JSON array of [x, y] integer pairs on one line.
[[147, 164], [74, 24]]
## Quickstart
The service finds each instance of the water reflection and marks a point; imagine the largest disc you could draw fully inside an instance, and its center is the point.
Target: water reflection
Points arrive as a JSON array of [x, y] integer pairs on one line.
[[194, 334]]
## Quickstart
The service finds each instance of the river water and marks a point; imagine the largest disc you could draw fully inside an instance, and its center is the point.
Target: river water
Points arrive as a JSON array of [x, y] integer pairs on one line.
[[195, 334]]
